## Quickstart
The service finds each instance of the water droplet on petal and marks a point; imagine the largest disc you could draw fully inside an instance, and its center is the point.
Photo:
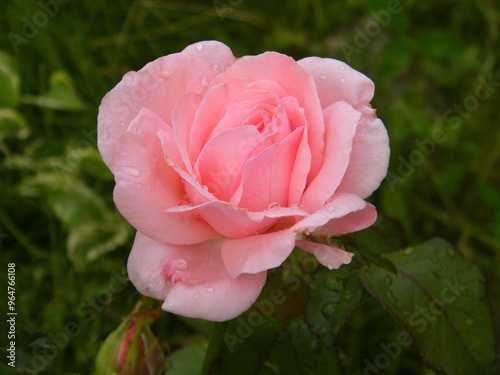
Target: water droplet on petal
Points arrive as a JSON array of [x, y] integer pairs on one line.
[[342, 80], [210, 290], [274, 206], [131, 171], [104, 133], [294, 207], [199, 46], [164, 73], [129, 76], [327, 66], [122, 123], [215, 66], [341, 67], [330, 266], [178, 264], [139, 186], [323, 76], [170, 304]]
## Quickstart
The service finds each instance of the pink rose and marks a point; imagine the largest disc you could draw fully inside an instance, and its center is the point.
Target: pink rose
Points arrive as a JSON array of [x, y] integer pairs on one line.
[[223, 165]]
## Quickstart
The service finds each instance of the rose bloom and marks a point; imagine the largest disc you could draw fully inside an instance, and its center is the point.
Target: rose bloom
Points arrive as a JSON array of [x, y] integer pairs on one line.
[[224, 165]]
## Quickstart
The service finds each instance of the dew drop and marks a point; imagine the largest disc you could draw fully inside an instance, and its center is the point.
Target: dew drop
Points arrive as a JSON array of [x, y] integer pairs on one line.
[[199, 47], [129, 76], [327, 66], [164, 73], [104, 134], [139, 186], [182, 203], [468, 322], [210, 290], [409, 251], [178, 264], [215, 66], [330, 266], [294, 207], [341, 67], [274, 206], [323, 76], [342, 80], [131, 171], [122, 123], [391, 296]]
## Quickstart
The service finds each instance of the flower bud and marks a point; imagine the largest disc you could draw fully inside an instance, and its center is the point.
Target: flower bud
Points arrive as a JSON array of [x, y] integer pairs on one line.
[[132, 349]]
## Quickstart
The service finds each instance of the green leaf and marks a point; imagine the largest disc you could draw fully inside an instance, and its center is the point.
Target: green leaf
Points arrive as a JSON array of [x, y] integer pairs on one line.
[[439, 299], [12, 124], [61, 95], [331, 298], [10, 81], [271, 346], [187, 361], [274, 337]]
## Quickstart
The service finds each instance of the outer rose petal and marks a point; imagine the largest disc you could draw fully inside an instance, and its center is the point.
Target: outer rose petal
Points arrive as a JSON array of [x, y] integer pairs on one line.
[[215, 53], [337, 81], [156, 87], [369, 157], [350, 223], [257, 253], [146, 186], [341, 121], [338, 206], [329, 256], [191, 279]]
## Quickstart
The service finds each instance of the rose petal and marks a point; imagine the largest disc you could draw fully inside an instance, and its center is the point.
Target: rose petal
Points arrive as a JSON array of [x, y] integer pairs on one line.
[[266, 177], [341, 121], [223, 158], [146, 186], [295, 81], [234, 222], [337, 81], [216, 54], [329, 256], [369, 157], [257, 253], [191, 279], [353, 222], [156, 87], [336, 207]]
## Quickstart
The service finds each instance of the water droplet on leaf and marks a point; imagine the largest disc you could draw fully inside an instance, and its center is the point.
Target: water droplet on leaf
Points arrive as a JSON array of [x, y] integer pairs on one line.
[[469, 322], [409, 250]]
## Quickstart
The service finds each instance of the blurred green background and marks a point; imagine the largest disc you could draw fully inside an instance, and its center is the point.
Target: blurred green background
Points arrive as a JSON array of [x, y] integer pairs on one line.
[[437, 75]]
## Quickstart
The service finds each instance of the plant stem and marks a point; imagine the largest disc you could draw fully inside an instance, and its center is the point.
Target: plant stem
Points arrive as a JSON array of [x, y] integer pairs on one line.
[[214, 346]]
